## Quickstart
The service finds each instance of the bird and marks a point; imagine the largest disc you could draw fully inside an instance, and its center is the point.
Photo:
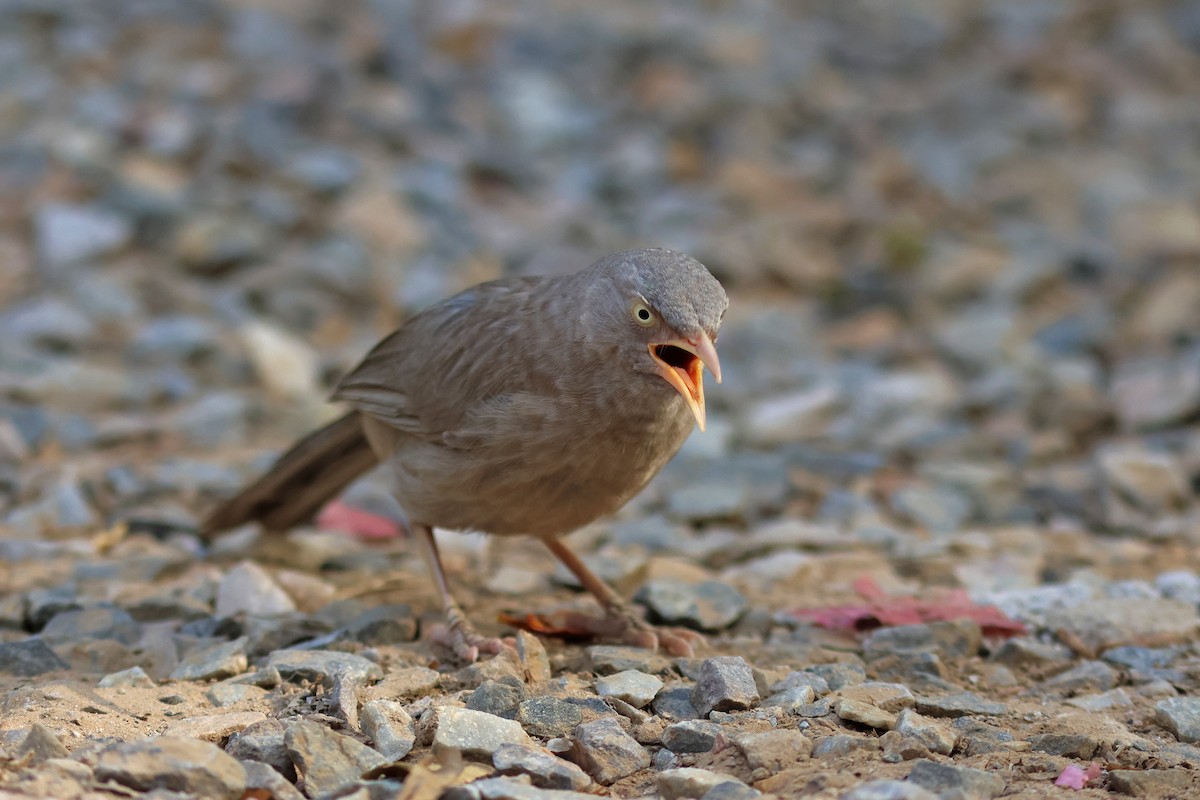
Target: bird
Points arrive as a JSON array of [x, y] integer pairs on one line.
[[528, 405]]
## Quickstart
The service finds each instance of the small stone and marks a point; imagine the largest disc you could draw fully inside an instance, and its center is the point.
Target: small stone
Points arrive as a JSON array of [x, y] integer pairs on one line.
[[214, 727], [548, 716], [864, 714], [888, 790], [1105, 701], [314, 665], [731, 790], [248, 589], [39, 745], [791, 700], [263, 741], [28, 657], [891, 697], [212, 244], [1151, 782], [475, 734], [506, 788], [390, 728], [960, 704], [534, 658], [689, 782], [287, 366], [222, 660], [133, 677], [188, 766], [1069, 745], [610, 659], [1030, 653], [262, 780], [607, 752], [841, 744], [67, 234], [1088, 676], [94, 622], [675, 703], [1105, 623], [497, 697], [636, 688], [222, 695], [775, 750], [971, 784], [326, 761], [691, 736], [386, 624], [838, 676], [408, 682], [953, 640], [803, 678], [706, 606], [899, 747], [937, 736], [1181, 716], [978, 738], [546, 770], [725, 684]]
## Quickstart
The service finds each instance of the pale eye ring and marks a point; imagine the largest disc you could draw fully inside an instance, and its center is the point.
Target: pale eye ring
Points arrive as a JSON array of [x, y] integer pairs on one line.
[[642, 314]]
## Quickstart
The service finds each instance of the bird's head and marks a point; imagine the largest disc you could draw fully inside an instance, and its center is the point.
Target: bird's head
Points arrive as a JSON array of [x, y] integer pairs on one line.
[[662, 310]]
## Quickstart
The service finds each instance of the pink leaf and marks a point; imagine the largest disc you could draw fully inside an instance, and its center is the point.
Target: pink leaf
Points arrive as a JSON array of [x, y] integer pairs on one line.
[[1075, 777], [880, 610], [337, 516]]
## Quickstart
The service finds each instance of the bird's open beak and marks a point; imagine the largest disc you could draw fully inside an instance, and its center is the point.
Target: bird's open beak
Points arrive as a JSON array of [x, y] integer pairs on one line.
[[681, 363]]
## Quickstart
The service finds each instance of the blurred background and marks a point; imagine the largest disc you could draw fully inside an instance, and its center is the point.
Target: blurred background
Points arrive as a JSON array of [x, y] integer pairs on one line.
[[962, 240]]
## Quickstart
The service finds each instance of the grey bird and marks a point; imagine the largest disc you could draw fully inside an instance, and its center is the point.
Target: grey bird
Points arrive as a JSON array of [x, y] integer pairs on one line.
[[529, 405]]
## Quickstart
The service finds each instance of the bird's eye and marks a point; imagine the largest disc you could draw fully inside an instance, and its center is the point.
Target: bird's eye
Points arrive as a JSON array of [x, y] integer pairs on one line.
[[642, 314]]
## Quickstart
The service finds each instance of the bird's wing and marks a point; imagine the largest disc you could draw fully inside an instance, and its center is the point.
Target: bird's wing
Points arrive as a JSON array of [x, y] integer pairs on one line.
[[434, 373]]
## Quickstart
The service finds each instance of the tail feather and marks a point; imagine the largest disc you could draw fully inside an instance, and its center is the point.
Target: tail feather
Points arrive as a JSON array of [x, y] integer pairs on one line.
[[312, 473]]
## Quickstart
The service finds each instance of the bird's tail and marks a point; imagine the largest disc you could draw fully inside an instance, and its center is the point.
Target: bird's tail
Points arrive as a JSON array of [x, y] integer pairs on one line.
[[313, 472]]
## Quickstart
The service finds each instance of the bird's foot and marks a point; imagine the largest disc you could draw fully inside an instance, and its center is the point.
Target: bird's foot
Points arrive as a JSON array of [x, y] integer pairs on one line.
[[624, 624], [461, 638]]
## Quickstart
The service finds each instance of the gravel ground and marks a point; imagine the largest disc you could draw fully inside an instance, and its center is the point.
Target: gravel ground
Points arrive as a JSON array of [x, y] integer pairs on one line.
[[941, 531]]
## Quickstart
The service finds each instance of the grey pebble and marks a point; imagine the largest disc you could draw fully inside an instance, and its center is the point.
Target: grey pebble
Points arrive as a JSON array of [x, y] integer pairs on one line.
[[263, 742], [607, 752], [1088, 676], [475, 734], [725, 684], [1181, 716], [68, 234], [545, 770], [328, 761], [93, 622], [959, 704], [675, 703], [971, 784], [390, 728], [227, 694], [264, 778], [637, 689], [840, 744], [510, 788], [691, 736], [706, 606], [548, 717], [838, 676], [39, 745], [939, 737], [497, 697], [190, 766], [685, 783], [610, 659], [222, 660], [888, 790], [28, 657], [315, 665], [134, 677], [1151, 782]]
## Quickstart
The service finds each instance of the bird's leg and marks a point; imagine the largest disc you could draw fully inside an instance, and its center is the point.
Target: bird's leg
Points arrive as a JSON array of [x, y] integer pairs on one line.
[[461, 636], [624, 621]]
